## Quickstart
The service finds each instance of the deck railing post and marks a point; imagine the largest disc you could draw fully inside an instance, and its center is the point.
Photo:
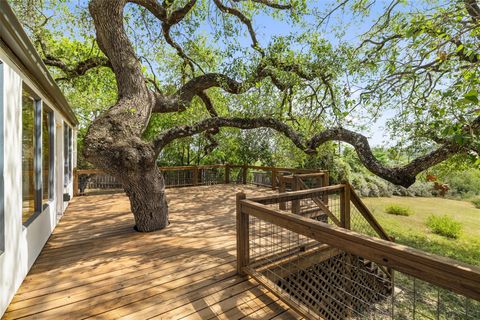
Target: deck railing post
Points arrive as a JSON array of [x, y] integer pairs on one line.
[[274, 178], [195, 176], [75, 182], [243, 251], [244, 174], [281, 189], [325, 183], [227, 174], [295, 187], [345, 206]]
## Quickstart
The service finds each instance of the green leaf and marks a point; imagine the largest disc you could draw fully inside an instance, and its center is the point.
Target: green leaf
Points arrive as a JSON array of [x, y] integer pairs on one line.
[[472, 96]]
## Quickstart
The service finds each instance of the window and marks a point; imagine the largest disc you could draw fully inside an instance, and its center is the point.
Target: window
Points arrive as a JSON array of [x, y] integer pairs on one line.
[[37, 155], [67, 154], [28, 154], [47, 154]]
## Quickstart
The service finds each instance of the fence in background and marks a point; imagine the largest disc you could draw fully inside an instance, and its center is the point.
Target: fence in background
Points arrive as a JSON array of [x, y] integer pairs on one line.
[[95, 181], [338, 263]]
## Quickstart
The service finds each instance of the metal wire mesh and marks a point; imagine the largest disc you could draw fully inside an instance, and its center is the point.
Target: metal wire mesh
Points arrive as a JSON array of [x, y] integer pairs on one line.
[[236, 175], [98, 183], [178, 178], [359, 224], [210, 176], [327, 282], [309, 206], [261, 178]]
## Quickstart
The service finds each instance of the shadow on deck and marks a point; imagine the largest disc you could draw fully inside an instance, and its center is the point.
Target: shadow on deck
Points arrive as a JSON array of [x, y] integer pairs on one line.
[[95, 264]]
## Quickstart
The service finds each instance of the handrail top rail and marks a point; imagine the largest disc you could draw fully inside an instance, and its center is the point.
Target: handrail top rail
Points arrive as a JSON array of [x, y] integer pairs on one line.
[[303, 175], [296, 195], [442, 271], [208, 166]]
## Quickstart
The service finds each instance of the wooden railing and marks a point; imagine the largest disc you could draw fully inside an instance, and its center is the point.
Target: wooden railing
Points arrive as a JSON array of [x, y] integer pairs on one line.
[[348, 198], [182, 176], [261, 221]]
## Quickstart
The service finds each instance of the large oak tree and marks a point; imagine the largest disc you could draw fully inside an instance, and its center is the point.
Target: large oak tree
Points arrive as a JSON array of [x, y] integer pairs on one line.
[[427, 55]]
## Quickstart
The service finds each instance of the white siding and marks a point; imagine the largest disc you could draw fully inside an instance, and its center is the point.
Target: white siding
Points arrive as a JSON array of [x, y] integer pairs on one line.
[[23, 244]]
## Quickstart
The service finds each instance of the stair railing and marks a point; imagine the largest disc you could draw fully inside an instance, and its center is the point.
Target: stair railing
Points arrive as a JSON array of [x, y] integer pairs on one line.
[[322, 270]]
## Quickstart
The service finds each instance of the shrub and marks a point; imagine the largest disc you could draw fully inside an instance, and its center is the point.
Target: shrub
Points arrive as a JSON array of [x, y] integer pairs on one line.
[[476, 202], [398, 210], [464, 183], [444, 226]]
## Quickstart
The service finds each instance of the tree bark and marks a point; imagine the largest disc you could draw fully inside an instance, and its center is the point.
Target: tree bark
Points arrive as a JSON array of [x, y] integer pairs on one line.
[[148, 202]]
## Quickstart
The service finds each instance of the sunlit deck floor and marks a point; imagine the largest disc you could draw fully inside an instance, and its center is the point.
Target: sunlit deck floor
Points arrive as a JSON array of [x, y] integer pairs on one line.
[[95, 265]]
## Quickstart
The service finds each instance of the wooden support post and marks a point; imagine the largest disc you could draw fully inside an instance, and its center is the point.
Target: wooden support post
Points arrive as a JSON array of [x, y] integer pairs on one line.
[[75, 182], [345, 206], [349, 282], [281, 189], [227, 174], [295, 187], [274, 178], [195, 176], [325, 183], [244, 174], [243, 250]]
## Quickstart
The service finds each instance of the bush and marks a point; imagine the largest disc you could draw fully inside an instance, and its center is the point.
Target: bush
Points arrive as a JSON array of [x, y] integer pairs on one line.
[[464, 183], [476, 202], [444, 226], [398, 210]]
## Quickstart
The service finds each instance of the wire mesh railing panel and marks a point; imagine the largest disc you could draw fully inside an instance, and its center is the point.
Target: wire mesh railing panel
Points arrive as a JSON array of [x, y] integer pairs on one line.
[[211, 176], [269, 243], [94, 183], [323, 206], [359, 224], [261, 178], [236, 175], [327, 280], [416, 299], [322, 279], [178, 178]]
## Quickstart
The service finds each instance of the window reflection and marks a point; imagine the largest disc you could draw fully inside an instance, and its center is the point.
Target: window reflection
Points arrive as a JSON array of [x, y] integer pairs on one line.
[[28, 154]]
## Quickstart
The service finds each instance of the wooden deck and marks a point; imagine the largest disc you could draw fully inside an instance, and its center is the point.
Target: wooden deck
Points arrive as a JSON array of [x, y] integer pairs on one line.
[[96, 266]]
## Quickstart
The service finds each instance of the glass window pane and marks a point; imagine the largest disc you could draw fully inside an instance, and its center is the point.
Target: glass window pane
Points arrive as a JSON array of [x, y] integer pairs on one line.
[[28, 155], [65, 156], [46, 164]]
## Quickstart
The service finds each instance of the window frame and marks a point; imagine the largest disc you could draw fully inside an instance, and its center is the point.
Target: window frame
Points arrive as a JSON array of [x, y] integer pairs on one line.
[[67, 154], [2, 160], [51, 156], [39, 206]]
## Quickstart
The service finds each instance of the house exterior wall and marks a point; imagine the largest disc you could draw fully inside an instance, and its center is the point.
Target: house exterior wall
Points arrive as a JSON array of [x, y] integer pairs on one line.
[[22, 243]]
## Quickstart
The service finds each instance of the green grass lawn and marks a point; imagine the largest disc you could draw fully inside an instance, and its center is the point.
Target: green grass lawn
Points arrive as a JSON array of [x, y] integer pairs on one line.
[[413, 231]]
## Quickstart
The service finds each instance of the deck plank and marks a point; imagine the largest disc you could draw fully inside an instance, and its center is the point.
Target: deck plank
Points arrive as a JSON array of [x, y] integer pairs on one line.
[[96, 266]]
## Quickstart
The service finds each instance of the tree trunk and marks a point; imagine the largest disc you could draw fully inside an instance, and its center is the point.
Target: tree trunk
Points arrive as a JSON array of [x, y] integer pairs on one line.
[[148, 201]]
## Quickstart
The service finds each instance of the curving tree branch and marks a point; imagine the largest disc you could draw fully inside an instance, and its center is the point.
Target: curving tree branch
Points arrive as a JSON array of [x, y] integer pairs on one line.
[[246, 21], [473, 9], [402, 175], [270, 4], [78, 69]]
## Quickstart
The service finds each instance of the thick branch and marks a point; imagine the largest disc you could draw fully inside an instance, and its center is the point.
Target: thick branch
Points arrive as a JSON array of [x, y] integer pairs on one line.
[[77, 70], [270, 4], [404, 175], [473, 9], [182, 98], [216, 122]]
